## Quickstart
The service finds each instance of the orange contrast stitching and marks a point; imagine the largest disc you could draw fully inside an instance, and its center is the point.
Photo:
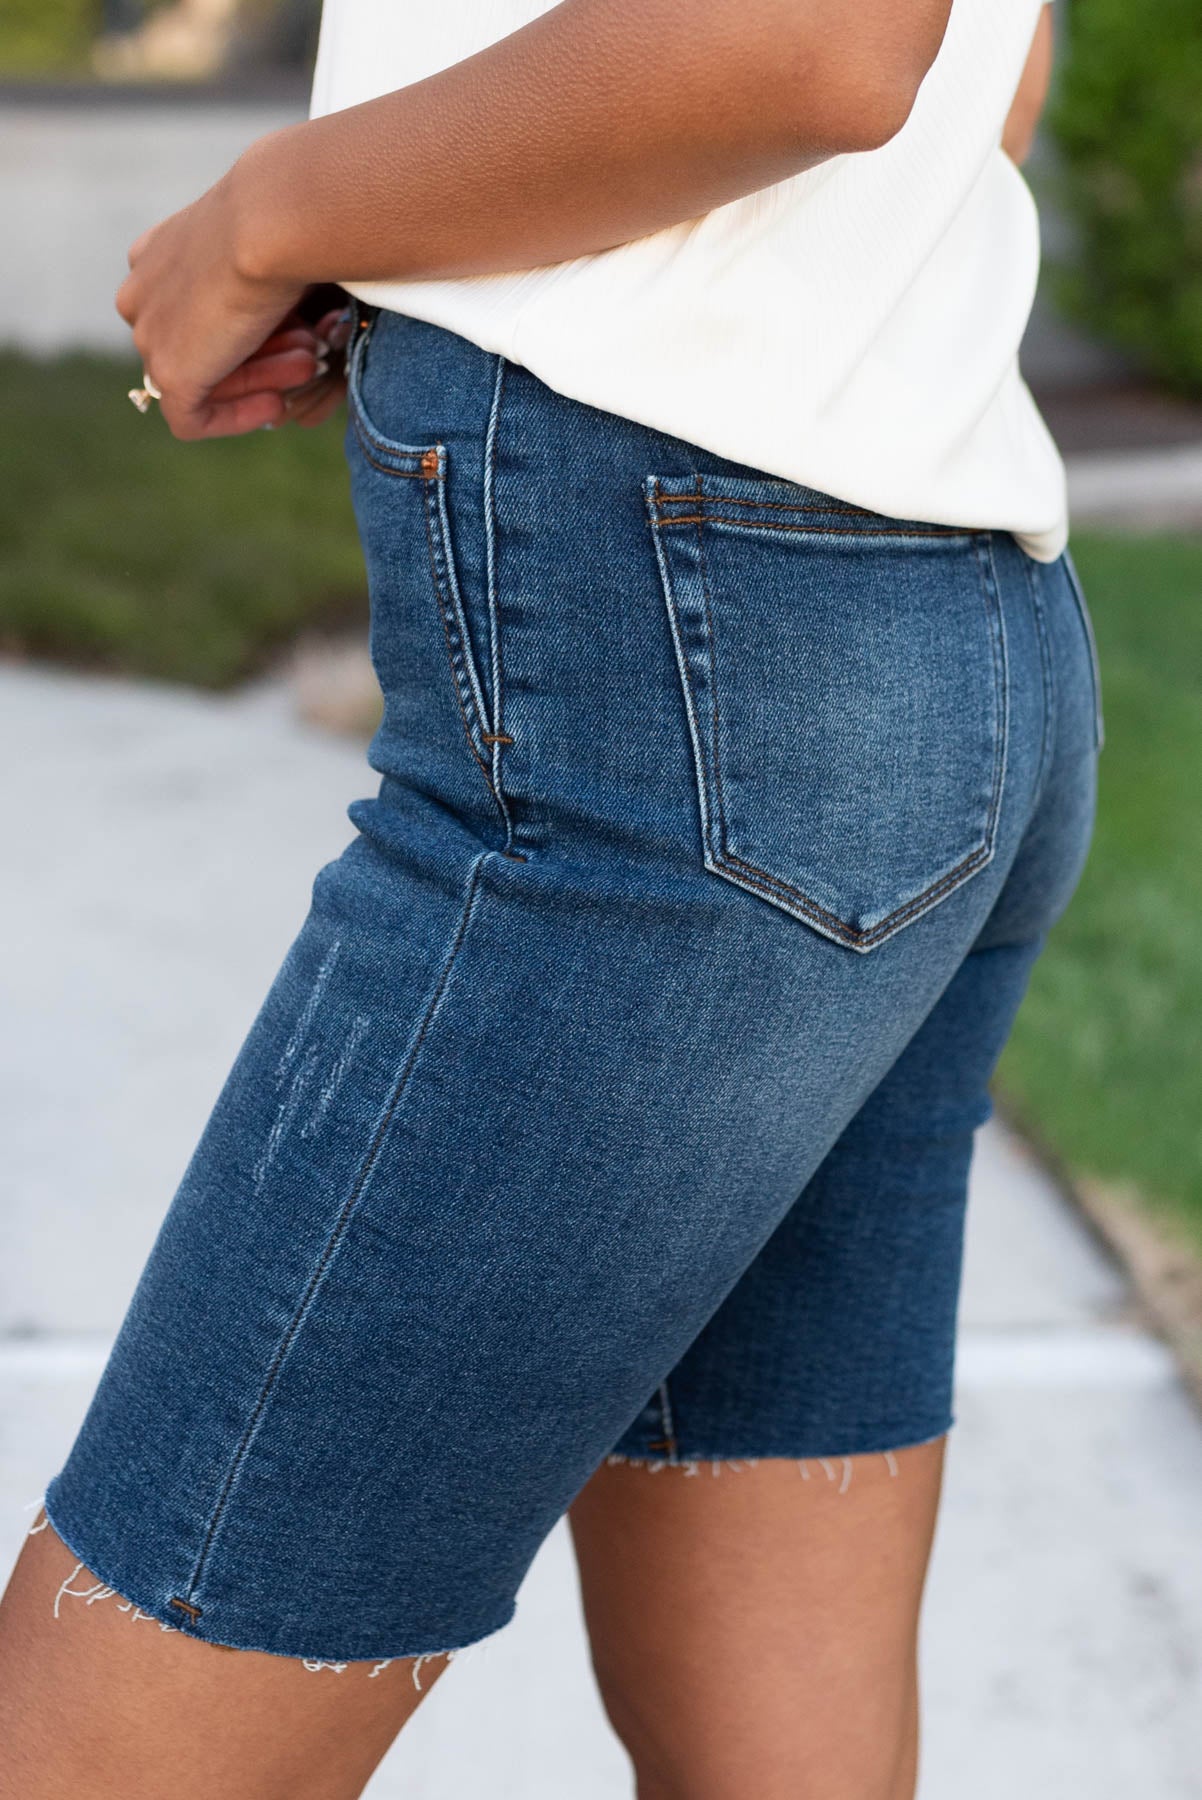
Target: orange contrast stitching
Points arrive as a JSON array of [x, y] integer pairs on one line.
[[663, 499], [869, 531], [368, 444], [898, 916]]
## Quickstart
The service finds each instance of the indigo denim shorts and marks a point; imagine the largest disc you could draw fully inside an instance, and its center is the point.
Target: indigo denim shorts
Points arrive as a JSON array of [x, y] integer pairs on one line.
[[617, 1096]]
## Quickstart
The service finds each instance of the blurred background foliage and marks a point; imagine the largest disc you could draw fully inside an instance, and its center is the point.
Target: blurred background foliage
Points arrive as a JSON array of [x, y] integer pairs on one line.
[[48, 37], [1127, 121], [1104, 1062], [154, 40], [186, 562]]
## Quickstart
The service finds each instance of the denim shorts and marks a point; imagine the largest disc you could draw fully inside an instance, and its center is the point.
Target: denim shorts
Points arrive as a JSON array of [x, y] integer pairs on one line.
[[617, 1096]]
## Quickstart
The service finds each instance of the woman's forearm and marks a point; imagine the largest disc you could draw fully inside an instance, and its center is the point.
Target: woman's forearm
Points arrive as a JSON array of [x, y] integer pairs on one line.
[[600, 121]]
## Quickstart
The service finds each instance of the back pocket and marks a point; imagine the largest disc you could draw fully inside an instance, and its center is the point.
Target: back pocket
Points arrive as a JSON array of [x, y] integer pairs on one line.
[[844, 676]]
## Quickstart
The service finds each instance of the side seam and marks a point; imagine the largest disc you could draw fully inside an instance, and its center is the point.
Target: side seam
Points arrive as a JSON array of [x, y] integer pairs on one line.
[[495, 736]]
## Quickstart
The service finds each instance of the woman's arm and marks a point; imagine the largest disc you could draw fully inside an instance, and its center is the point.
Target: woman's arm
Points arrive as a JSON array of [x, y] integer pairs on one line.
[[1019, 132], [598, 122]]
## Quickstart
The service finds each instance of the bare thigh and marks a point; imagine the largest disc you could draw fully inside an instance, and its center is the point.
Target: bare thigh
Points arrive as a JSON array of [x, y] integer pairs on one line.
[[98, 1703], [751, 1632], [755, 1632]]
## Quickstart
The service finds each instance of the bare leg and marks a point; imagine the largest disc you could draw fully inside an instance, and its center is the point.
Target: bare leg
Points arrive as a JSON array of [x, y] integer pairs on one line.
[[101, 1703], [755, 1633]]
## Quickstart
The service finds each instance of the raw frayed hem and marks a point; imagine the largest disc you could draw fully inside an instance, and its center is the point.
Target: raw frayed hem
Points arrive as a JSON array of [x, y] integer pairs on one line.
[[417, 1659], [83, 1585], [834, 1469], [97, 1590], [418, 1662]]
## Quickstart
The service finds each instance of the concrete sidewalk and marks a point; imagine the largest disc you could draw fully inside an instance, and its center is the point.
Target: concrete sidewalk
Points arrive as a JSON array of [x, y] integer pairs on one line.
[[160, 849]]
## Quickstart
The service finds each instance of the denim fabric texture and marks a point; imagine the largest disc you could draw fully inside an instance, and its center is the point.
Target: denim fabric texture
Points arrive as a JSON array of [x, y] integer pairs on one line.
[[618, 1093]]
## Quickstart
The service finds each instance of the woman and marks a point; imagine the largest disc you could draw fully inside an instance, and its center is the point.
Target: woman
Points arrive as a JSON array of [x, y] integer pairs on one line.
[[613, 1109]]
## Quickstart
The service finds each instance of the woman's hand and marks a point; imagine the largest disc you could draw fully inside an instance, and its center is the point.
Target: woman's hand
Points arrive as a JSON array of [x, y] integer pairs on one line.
[[230, 351], [316, 397]]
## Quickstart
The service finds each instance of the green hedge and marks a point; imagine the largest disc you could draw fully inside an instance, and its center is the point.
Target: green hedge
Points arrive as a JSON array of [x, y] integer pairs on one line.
[[47, 37], [1105, 1064], [123, 549], [1128, 122]]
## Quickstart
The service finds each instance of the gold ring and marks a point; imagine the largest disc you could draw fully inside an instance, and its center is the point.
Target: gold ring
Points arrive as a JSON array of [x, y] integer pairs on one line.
[[142, 396]]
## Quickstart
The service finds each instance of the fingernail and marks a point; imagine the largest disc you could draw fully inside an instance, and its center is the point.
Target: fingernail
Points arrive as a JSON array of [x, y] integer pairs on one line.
[[322, 366]]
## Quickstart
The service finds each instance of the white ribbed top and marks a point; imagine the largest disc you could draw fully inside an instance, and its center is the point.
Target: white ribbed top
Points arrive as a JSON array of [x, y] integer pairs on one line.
[[854, 328]]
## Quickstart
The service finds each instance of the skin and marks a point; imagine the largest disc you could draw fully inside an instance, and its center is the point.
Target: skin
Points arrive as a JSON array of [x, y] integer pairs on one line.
[[753, 1634], [1019, 132], [756, 1633], [95, 1705]]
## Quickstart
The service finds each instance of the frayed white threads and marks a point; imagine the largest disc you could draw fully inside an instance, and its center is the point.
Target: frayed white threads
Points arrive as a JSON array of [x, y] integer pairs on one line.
[[430, 1656], [838, 1470], [136, 1613], [649, 1465], [828, 1469], [315, 1666], [826, 1464], [38, 1526], [99, 1590], [88, 1595]]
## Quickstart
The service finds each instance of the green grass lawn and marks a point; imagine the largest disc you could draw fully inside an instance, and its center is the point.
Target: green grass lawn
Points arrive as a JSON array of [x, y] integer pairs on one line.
[[1105, 1064], [121, 548]]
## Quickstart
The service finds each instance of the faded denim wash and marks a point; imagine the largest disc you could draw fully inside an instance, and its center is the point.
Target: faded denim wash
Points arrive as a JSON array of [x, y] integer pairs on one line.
[[618, 1093]]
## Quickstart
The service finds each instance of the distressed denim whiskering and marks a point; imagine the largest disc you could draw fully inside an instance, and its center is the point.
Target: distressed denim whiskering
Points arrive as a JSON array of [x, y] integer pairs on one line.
[[618, 1093]]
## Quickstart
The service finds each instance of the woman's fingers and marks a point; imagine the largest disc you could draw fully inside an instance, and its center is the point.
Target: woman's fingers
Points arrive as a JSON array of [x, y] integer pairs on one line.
[[292, 337], [223, 418], [334, 327], [270, 372], [233, 414], [288, 380], [295, 374], [292, 357], [313, 404]]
